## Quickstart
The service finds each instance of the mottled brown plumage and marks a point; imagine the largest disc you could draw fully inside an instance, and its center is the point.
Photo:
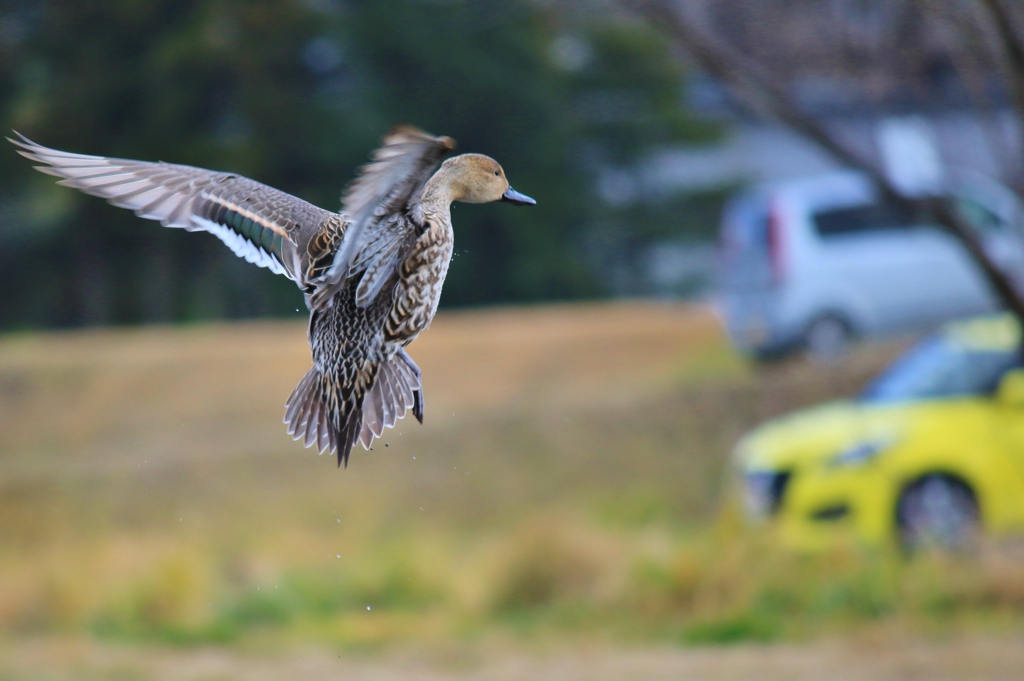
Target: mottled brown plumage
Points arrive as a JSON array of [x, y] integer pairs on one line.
[[372, 275]]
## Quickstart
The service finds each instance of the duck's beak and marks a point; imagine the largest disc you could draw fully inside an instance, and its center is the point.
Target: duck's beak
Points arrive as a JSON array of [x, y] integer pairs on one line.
[[512, 196]]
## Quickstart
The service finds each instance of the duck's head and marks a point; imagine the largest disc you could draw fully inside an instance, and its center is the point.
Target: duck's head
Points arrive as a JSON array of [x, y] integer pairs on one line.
[[475, 178]]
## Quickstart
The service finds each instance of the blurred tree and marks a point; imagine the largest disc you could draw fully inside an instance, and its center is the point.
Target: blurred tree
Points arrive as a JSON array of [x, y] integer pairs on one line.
[[295, 94], [897, 52], [218, 84], [559, 103]]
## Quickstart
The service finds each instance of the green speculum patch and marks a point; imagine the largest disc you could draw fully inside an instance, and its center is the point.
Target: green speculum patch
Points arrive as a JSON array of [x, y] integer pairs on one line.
[[257, 234]]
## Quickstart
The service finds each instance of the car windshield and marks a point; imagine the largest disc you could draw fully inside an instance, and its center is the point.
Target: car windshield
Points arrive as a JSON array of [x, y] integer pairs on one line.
[[941, 367]]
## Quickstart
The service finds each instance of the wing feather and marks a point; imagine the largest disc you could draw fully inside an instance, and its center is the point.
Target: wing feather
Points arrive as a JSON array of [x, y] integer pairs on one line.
[[379, 258], [263, 225], [386, 185]]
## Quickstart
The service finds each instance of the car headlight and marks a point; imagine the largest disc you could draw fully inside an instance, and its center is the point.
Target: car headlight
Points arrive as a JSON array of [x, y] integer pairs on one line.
[[765, 491], [861, 453]]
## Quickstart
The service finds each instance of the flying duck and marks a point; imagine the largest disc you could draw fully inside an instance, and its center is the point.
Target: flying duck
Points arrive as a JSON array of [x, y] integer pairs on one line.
[[371, 274]]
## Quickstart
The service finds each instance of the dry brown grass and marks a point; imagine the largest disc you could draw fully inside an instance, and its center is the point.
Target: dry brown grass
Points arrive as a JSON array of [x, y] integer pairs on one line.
[[994, 658], [566, 482]]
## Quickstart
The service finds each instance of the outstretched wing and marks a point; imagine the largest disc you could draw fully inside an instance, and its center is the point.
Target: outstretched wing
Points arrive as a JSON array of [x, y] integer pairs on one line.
[[264, 226], [384, 188]]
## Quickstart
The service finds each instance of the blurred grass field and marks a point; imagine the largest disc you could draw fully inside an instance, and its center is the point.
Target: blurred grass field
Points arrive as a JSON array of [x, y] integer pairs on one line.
[[566, 488]]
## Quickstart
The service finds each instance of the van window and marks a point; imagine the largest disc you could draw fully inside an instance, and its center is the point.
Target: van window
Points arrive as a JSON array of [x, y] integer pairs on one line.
[[873, 217]]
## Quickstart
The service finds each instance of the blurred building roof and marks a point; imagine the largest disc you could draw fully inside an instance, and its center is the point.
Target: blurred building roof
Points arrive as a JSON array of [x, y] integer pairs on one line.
[[756, 151]]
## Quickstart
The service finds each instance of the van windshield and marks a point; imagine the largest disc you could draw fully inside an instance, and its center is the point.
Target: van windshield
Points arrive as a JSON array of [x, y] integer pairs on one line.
[[939, 368]]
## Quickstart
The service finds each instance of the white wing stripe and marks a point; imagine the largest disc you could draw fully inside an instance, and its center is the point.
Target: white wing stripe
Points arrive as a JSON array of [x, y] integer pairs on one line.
[[240, 246]]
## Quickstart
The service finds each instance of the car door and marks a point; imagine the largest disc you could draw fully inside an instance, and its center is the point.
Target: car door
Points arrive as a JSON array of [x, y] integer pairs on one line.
[[875, 251], [954, 285]]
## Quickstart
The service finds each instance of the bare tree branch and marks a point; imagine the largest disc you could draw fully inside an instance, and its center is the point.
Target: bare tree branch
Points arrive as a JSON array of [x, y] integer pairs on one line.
[[764, 94], [760, 90], [1011, 49], [974, 55]]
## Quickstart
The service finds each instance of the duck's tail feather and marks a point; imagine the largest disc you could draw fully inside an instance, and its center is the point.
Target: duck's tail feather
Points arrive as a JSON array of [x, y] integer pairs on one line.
[[396, 388], [415, 381], [349, 435], [316, 417]]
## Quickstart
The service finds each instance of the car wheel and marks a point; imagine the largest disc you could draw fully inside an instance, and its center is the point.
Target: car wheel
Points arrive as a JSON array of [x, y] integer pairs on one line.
[[937, 511], [828, 337]]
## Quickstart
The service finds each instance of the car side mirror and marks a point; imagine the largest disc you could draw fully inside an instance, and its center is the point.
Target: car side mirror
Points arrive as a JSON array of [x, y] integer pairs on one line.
[[1011, 388]]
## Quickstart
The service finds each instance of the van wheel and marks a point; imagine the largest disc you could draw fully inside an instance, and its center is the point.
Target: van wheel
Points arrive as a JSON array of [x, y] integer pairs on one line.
[[828, 337], [938, 511]]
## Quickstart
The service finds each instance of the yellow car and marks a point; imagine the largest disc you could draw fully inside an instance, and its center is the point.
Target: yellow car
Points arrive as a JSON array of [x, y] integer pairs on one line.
[[931, 452]]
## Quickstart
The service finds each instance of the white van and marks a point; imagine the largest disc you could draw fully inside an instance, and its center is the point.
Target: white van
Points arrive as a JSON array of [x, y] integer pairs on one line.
[[814, 263]]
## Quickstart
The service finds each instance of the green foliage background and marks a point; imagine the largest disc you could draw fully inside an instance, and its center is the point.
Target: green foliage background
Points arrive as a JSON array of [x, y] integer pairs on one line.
[[295, 94]]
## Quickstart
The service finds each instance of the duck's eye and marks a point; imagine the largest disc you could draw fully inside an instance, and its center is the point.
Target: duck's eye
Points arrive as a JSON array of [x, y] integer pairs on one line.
[[497, 173]]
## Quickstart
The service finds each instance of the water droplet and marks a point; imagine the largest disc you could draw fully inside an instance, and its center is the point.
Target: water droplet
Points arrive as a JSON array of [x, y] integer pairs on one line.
[[339, 555], [414, 458], [367, 607]]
